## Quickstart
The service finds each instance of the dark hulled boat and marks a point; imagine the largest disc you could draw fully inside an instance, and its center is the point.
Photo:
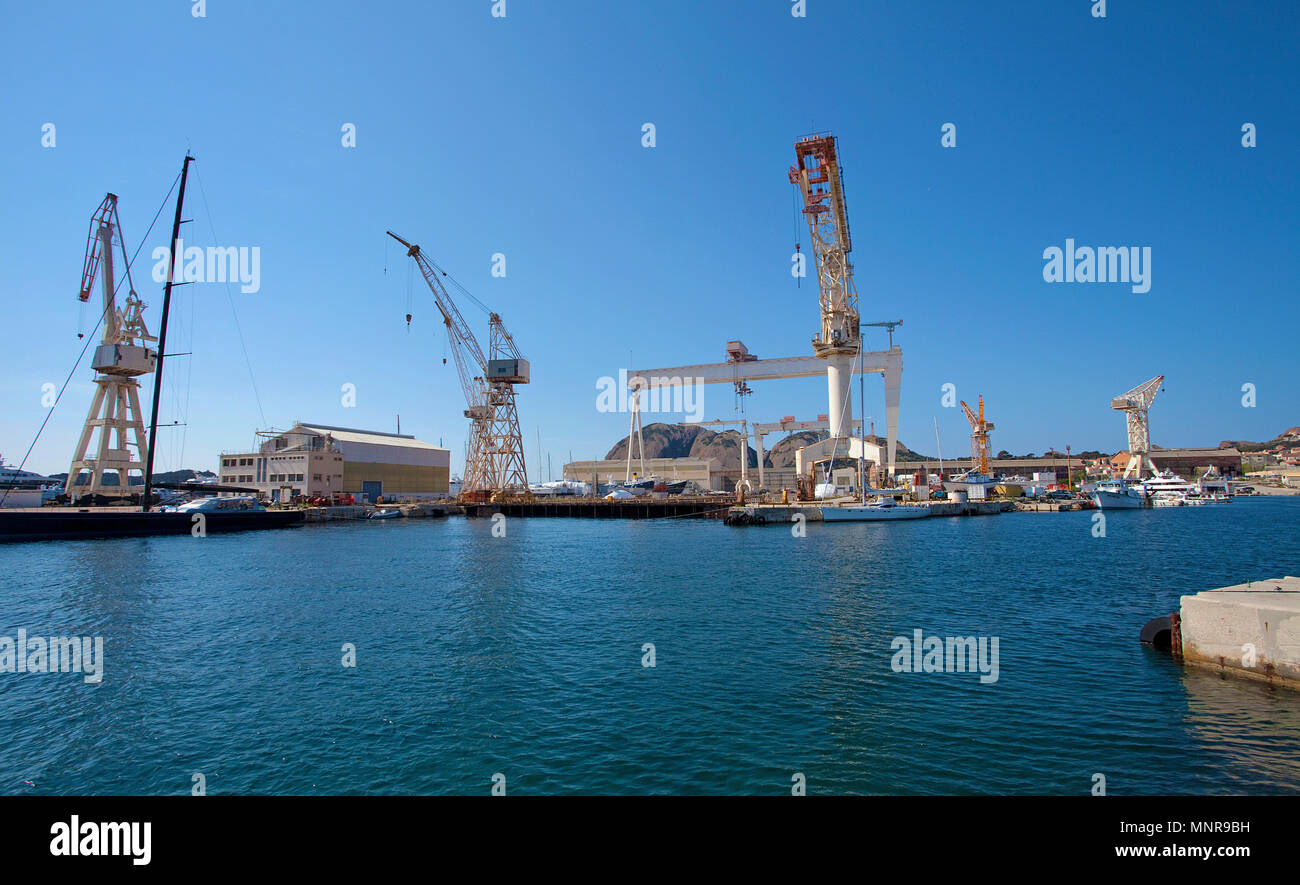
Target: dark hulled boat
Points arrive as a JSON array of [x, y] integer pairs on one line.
[[58, 523]]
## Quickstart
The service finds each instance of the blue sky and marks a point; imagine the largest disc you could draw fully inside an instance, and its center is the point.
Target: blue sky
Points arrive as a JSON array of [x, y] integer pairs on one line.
[[477, 135]]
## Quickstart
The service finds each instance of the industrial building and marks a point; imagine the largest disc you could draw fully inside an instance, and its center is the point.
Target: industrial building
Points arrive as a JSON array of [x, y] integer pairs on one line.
[[1186, 462], [318, 460]]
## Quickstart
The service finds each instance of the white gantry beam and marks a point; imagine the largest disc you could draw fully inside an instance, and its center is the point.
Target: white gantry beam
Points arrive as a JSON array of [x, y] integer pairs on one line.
[[762, 430], [888, 363]]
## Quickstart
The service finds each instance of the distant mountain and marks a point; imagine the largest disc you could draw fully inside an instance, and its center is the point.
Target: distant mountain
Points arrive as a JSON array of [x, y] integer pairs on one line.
[[662, 441], [782, 454], [684, 441]]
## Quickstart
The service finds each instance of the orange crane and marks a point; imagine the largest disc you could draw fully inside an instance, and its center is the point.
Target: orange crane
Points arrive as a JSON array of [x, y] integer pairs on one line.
[[979, 436]]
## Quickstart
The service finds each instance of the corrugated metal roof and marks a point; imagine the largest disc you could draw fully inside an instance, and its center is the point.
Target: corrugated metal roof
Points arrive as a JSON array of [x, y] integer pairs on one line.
[[376, 438]]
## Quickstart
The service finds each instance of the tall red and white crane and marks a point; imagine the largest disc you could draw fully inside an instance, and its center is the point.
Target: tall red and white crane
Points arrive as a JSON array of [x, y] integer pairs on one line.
[[122, 355], [494, 457], [837, 349]]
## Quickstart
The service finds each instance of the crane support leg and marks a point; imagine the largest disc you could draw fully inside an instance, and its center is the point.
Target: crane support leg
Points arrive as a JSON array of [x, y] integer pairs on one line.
[[893, 385], [839, 373]]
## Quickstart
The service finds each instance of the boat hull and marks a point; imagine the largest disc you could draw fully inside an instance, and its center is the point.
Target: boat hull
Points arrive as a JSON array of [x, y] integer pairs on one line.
[[873, 514], [1108, 500], [57, 524]]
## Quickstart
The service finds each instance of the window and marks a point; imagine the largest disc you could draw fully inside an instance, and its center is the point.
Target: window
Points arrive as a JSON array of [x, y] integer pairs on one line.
[[280, 442]]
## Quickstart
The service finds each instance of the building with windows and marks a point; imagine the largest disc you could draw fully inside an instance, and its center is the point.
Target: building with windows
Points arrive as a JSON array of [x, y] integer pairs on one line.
[[319, 460], [1188, 463]]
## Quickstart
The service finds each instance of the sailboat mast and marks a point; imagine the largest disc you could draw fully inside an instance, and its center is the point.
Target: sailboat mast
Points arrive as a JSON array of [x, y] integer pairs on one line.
[[939, 446], [162, 335]]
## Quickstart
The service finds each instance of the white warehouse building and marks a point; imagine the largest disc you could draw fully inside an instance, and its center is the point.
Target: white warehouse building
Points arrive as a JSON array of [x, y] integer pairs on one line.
[[321, 460]]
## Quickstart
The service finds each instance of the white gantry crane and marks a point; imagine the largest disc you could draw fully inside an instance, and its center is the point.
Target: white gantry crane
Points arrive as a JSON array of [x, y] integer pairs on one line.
[[744, 442], [789, 425], [1134, 405], [122, 355], [494, 458], [837, 349]]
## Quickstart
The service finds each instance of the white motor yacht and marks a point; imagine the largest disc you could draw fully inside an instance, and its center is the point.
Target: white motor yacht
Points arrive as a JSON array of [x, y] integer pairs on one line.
[[1115, 494]]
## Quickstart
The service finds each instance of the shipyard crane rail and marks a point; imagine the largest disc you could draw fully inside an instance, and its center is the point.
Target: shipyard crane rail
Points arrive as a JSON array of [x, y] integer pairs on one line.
[[494, 457]]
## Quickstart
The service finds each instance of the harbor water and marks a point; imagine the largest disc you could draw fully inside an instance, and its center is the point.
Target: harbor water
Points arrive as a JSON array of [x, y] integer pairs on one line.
[[529, 655]]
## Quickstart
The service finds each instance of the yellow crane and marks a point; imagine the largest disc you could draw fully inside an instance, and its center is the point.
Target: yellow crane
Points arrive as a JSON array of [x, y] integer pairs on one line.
[[979, 436]]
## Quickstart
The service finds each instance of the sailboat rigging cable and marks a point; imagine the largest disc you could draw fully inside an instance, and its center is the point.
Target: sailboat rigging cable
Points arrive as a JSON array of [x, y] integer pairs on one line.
[[252, 380]]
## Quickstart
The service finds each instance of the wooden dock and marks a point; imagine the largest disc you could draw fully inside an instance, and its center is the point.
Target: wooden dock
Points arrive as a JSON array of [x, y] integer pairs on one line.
[[599, 508]]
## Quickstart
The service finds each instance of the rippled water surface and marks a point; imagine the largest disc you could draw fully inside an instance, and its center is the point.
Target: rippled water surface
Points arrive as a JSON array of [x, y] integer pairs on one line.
[[523, 655]]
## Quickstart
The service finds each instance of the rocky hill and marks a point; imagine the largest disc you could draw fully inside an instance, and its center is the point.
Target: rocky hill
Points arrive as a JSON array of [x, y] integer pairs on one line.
[[1288, 438], [683, 441]]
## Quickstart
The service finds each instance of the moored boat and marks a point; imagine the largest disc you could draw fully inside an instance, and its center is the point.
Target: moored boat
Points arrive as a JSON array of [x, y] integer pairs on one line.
[[880, 509], [1115, 494]]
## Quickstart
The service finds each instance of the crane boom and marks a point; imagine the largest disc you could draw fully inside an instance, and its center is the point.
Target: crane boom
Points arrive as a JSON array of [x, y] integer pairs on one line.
[[979, 435], [820, 180], [494, 456], [462, 339]]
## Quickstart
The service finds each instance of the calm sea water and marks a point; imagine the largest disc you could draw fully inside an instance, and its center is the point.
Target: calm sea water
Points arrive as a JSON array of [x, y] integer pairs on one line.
[[523, 656]]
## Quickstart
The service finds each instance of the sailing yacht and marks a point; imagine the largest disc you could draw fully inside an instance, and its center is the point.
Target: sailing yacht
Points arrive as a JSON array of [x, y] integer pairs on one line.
[[883, 507]]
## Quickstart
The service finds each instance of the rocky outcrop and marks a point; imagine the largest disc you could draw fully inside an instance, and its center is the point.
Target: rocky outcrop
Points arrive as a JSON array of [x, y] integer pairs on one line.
[[662, 441], [782, 454], [723, 447], [684, 441]]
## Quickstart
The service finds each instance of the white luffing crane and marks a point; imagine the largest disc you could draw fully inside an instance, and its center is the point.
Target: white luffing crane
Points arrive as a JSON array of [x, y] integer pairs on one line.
[[1134, 405]]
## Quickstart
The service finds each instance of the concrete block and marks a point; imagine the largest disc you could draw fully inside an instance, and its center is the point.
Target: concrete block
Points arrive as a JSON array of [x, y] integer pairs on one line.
[[1250, 629]]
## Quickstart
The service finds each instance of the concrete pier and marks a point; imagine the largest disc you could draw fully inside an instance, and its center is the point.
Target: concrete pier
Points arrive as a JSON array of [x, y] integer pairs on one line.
[[675, 507], [1250, 630]]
